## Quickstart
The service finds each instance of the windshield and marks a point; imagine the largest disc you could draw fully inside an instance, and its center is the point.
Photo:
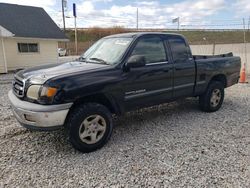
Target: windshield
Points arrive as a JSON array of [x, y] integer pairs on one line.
[[106, 50]]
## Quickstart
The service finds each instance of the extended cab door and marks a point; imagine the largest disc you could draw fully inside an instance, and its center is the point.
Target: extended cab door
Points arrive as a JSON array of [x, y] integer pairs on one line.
[[184, 66], [153, 83]]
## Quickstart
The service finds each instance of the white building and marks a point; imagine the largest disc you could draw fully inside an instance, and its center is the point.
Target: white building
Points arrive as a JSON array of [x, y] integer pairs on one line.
[[28, 37]]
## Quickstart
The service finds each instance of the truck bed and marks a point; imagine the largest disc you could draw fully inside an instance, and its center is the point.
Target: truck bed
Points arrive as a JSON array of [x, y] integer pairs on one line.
[[197, 57], [223, 64]]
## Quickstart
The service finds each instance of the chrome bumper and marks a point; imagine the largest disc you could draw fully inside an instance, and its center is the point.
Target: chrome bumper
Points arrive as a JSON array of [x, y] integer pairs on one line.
[[36, 116]]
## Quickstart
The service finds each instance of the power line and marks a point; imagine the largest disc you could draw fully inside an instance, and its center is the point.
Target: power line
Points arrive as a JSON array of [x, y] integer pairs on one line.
[[185, 22], [149, 22], [208, 25]]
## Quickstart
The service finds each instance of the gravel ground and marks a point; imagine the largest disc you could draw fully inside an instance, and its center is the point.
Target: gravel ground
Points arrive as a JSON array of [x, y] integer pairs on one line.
[[6, 78], [172, 145]]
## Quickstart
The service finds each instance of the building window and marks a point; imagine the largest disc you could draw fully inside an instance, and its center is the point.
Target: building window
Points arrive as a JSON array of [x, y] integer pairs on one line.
[[27, 47]]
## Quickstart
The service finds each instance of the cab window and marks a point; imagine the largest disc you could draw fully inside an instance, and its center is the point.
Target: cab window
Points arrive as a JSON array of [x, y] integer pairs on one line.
[[152, 48], [179, 49]]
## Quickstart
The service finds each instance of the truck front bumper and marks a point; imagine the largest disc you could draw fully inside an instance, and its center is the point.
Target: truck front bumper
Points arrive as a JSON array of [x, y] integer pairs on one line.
[[36, 116]]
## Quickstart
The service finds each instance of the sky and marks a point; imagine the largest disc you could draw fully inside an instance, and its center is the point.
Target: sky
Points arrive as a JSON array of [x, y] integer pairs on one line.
[[200, 14]]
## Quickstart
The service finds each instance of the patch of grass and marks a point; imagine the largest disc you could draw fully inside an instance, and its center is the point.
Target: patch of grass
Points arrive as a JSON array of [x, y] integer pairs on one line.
[[218, 37], [87, 37], [93, 34]]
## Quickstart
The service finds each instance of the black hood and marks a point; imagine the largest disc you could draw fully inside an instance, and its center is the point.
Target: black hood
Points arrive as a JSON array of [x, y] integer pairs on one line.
[[52, 70]]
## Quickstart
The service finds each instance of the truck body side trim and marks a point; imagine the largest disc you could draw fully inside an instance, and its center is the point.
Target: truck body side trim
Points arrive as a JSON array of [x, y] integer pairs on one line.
[[147, 93]]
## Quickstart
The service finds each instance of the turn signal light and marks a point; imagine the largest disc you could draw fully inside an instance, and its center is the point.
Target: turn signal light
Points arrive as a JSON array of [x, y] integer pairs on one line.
[[51, 92]]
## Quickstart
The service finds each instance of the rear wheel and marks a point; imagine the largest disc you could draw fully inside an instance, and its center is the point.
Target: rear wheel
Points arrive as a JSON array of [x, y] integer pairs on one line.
[[212, 99], [89, 127]]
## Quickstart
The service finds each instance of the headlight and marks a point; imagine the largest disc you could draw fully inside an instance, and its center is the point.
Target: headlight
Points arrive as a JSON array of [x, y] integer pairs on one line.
[[33, 92], [41, 93]]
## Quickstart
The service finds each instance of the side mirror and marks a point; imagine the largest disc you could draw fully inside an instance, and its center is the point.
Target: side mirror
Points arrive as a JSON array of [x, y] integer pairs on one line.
[[136, 61]]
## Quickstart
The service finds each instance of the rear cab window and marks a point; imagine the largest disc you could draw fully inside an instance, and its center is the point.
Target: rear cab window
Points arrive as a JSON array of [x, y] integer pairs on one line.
[[180, 50]]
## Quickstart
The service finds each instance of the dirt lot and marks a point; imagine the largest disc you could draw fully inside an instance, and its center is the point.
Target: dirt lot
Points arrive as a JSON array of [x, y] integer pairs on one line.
[[172, 145]]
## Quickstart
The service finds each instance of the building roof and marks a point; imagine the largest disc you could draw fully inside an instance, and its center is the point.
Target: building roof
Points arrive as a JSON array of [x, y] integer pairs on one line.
[[28, 21]]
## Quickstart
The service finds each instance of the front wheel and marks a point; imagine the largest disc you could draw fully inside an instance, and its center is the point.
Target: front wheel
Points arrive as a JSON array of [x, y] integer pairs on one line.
[[212, 99], [89, 127]]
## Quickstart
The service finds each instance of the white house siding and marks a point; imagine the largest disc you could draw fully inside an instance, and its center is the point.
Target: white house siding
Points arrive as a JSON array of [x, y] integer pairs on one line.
[[2, 69], [16, 60], [237, 49]]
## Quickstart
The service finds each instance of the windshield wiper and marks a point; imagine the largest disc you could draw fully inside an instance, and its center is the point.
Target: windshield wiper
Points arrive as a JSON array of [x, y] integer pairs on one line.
[[83, 59], [99, 60]]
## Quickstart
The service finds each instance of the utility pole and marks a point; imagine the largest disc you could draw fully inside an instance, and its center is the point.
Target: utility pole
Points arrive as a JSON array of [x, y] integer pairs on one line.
[[63, 15], [74, 14], [63, 5], [137, 19], [248, 24], [178, 23], [245, 44]]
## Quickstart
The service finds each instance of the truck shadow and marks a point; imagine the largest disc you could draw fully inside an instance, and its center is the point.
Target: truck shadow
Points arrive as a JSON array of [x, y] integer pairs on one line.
[[140, 122], [153, 113], [126, 127]]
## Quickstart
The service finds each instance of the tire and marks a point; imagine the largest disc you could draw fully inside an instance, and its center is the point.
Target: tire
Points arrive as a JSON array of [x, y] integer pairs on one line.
[[212, 99], [89, 127]]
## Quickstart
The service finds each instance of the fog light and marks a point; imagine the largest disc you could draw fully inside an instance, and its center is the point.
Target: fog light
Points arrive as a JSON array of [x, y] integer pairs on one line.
[[29, 118]]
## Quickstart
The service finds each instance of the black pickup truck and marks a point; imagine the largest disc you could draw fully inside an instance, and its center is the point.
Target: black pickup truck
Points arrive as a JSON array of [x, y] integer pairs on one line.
[[119, 73]]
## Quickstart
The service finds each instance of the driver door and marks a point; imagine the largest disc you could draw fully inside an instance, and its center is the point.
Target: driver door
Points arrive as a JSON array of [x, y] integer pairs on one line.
[[151, 84]]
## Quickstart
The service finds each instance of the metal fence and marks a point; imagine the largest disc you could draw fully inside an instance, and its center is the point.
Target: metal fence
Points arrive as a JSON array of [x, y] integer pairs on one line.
[[240, 49]]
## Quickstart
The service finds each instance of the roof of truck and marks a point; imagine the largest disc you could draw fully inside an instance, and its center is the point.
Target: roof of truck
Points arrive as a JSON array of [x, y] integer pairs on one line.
[[137, 34]]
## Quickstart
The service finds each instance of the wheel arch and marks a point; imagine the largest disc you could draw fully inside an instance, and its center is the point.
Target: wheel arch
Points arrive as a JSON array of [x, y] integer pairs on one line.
[[220, 78], [99, 98]]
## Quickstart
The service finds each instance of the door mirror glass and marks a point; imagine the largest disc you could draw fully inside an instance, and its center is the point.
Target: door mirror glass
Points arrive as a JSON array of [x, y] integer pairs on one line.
[[136, 61]]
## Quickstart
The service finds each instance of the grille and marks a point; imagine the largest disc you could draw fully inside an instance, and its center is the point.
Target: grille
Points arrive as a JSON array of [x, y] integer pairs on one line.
[[18, 87]]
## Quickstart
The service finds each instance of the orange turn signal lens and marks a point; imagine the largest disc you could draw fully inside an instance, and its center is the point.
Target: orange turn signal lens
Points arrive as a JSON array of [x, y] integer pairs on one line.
[[51, 91]]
